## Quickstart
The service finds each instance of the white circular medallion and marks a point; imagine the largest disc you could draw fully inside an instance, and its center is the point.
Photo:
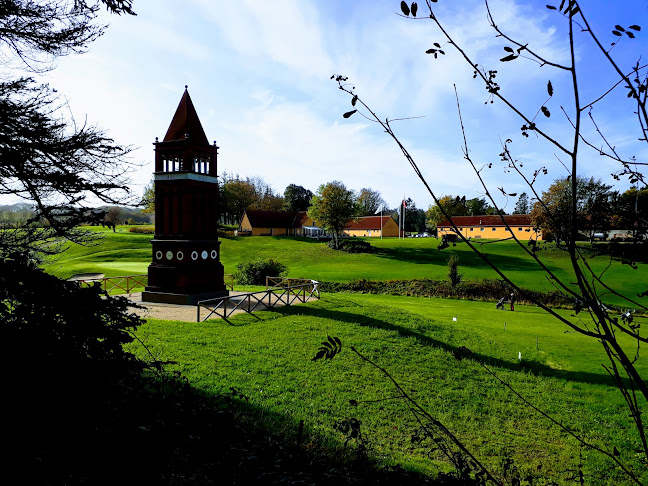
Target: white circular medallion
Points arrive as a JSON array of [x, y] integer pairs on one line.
[[204, 255], [169, 255], [214, 254], [194, 255], [179, 255], [158, 255]]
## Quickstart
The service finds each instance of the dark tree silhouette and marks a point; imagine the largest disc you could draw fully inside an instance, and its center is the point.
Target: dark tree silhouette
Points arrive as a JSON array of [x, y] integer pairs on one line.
[[296, 198], [522, 204], [60, 167], [63, 343]]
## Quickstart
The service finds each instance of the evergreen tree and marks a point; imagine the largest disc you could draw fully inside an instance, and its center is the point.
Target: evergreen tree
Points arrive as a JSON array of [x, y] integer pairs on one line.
[[522, 204]]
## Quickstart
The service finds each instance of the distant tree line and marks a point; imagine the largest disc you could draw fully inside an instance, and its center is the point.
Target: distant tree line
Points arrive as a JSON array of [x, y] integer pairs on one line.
[[238, 194], [20, 214], [599, 209]]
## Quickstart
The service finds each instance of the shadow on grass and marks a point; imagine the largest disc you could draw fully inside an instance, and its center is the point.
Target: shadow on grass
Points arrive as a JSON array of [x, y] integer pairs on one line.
[[152, 432], [426, 256], [535, 367]]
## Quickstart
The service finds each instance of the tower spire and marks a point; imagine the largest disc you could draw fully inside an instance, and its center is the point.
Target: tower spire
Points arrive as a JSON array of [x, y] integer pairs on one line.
[[185, 123]]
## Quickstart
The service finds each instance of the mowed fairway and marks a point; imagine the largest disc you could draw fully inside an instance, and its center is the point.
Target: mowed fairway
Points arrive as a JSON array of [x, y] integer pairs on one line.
[[125, 253], [269, 360]]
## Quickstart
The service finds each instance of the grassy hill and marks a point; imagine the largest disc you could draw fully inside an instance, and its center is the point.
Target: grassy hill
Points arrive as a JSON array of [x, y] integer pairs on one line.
[[125, 253], [267, 359]]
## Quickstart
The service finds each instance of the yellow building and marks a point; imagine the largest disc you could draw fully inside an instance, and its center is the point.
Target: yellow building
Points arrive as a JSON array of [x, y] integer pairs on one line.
[[274, 223], [492, 227], [372, 226], [298, 223]]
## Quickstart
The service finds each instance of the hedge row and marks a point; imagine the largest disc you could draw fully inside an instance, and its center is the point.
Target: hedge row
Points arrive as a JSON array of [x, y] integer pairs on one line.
[[488, 290], [146, 230]]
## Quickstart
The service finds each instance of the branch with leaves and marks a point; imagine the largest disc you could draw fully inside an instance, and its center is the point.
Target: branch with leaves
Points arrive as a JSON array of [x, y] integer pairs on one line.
[[601, 324]]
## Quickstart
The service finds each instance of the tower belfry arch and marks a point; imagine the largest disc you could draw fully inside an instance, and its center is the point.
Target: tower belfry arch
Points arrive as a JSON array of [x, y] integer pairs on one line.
[[186, 266]]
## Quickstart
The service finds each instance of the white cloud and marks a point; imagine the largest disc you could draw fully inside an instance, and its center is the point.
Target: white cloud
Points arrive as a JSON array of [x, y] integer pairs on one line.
[[258, 73], [285, 32]]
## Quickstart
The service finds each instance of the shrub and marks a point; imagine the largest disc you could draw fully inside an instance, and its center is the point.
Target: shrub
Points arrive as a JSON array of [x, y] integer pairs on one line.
[[256, 271], [454, 277], [146, 230], [352, 246]]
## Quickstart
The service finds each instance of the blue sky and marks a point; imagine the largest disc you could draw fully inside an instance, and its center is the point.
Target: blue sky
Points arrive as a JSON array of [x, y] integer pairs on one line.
[[259, 76]]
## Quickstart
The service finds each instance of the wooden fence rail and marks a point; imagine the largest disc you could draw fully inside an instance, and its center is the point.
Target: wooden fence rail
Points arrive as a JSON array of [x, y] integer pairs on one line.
[[286, 282], [224, 307], [128, 283], [124, 284]]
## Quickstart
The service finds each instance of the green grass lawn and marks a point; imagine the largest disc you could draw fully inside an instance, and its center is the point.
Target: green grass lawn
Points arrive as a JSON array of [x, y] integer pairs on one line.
[[268, 357], [124, 253], [269, 360]]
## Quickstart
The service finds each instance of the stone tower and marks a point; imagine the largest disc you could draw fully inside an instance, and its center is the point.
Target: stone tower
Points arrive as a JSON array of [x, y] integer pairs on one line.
[[186, 264]]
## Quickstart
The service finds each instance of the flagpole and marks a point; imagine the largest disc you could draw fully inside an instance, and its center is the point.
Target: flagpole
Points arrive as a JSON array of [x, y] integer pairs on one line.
[[381, 221]]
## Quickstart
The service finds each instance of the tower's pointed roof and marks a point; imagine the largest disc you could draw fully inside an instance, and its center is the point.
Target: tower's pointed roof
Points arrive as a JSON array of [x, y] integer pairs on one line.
[[186, 121]]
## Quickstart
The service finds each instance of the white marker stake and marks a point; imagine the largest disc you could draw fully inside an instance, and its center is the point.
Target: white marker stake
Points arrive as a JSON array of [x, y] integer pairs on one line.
[[454, 318], [520, 356]]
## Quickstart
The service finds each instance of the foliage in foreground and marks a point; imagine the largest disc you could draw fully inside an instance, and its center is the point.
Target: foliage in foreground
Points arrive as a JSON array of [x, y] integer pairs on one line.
[[64, 347]]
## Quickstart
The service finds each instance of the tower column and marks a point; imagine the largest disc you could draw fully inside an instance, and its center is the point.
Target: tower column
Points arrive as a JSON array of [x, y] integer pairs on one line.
[[186, 266]]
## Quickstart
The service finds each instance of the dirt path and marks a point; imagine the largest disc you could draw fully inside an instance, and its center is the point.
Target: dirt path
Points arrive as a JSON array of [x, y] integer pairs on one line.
[[172, 312]]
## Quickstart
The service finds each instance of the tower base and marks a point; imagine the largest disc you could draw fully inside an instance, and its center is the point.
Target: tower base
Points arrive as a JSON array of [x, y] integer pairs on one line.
[[181, 299]]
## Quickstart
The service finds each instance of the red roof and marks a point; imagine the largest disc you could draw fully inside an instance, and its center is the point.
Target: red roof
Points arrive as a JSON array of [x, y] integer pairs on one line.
[[185, 122], [276, 219], [489, 220], [368, 223]]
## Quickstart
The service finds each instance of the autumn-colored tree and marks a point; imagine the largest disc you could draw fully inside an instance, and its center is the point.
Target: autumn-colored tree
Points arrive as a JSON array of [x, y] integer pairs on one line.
[[554, 214], [453, 206]]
